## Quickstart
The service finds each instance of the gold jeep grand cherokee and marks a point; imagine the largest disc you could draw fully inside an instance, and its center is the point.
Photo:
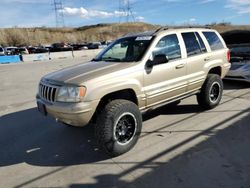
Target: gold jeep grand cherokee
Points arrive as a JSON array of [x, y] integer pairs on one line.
[[136, 73]]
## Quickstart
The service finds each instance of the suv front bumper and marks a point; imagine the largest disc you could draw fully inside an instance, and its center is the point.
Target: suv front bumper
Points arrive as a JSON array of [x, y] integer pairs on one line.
[[76, 114]]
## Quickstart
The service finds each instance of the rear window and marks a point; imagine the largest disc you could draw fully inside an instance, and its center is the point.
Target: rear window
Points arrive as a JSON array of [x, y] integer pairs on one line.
[[213, 40]]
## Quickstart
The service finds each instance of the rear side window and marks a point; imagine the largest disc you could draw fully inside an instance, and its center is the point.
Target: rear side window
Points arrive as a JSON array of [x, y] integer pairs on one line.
[[213, 40], [191, 43]]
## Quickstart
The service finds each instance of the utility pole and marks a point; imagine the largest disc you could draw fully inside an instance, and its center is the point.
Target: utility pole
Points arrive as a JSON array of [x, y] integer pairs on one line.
[[126, 7], [58, 8]]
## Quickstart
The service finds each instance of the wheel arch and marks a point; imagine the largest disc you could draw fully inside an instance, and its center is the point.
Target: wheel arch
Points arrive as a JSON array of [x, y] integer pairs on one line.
[[215, 70], [126, 94]]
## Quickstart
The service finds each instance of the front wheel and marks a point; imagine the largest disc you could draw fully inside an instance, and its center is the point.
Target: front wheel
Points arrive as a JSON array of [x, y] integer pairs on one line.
[[211, 92], [118, 127]]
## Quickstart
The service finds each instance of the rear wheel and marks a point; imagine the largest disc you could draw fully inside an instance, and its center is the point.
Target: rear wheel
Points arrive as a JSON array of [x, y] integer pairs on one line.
[[118, 127], [211, 92]]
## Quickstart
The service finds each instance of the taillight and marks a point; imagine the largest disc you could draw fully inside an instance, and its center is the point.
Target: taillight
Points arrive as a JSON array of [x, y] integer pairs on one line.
[[228, 56]]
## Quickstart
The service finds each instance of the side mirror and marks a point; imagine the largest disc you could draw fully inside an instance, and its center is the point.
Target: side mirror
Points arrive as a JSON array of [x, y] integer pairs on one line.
[[160, 59], [157, 60]]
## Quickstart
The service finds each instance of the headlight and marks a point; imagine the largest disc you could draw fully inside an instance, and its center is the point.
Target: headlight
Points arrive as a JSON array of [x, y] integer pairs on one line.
[[71, 94]]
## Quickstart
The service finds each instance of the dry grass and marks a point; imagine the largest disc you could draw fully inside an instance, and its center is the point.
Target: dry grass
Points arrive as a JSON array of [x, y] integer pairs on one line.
[[100, 32]]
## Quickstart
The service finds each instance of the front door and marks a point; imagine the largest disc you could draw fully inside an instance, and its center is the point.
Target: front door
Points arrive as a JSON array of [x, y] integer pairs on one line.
[[165, 81]]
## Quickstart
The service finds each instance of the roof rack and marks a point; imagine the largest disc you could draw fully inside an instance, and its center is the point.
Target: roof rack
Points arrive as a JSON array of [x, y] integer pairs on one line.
[[179, 27], [145, 33], [164, 28]]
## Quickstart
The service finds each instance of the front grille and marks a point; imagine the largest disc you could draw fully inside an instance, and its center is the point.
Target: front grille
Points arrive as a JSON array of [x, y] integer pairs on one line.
[[47, 92]]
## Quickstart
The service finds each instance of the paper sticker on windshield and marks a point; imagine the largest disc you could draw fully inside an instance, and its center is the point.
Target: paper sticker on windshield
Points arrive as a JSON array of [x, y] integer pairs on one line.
[[143, 38]]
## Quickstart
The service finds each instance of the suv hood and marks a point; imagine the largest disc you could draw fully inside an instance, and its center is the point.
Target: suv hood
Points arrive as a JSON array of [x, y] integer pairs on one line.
[[80, 73]]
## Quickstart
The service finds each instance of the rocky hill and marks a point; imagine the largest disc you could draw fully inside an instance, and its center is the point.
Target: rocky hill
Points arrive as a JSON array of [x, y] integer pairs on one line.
[[99, 32]]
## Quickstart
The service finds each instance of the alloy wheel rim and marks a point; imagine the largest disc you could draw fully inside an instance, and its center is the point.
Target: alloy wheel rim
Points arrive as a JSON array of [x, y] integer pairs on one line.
[[125, 128], [214, 92]]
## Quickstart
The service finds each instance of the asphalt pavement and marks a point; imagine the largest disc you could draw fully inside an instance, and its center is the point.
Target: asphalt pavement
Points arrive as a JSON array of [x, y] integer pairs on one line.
[[180, 146]]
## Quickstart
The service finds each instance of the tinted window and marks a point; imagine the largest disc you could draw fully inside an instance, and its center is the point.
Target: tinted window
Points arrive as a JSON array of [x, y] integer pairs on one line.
[[192, 44], [1, 49], [168, 45], [202, 45], [213, 40]]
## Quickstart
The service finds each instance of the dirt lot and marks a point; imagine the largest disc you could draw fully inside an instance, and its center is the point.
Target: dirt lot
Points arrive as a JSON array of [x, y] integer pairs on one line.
[[179, 147]]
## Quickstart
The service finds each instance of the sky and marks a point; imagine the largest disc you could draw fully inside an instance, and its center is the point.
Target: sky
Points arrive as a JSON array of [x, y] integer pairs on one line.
[[40, 13]]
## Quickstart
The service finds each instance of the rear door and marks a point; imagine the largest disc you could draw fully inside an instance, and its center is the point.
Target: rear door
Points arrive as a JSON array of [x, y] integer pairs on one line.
[[196, 58]]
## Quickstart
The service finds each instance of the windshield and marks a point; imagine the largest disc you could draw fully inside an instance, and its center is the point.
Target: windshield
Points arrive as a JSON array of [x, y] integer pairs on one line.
[[130, 49]]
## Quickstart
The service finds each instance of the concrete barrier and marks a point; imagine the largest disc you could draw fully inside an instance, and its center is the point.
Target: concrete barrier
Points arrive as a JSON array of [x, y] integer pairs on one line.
[[10, 59], [36, 57], [60, 55], [87, 53]]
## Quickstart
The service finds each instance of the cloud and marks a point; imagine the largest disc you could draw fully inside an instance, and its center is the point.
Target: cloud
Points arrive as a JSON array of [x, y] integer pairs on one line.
[[206, 1], [139, 19], [191, 20], [241, 6], [84, 13]]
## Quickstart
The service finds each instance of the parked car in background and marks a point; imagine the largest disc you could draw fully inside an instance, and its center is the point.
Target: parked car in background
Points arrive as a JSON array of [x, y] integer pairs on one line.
[[39, 49], [22, 50], [11, 50], [2, 51], [82, 46], [59, 47], [94, 45], [240, 60]]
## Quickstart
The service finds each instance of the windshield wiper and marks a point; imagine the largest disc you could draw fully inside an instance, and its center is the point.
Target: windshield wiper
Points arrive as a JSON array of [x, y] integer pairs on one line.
[[94, 59], [111, 59]]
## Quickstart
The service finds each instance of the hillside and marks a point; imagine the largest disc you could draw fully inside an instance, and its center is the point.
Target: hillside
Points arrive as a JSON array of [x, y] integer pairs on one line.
[[99, 32]]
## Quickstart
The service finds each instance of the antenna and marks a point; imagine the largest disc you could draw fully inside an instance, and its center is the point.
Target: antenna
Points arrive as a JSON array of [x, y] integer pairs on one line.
[[58, 7]]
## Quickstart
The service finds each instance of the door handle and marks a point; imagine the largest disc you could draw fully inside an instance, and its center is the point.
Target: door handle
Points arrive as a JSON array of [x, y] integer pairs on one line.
[[207, 59], [179, 66]]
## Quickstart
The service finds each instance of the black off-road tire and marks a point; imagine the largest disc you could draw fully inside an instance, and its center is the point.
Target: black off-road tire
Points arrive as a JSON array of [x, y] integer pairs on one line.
[[211, 92], [106, 128]]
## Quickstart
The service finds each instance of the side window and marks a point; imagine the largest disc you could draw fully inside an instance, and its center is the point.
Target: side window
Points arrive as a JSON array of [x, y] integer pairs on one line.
[[168, 45], [202, 45], [191, 43], [213, 40]]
